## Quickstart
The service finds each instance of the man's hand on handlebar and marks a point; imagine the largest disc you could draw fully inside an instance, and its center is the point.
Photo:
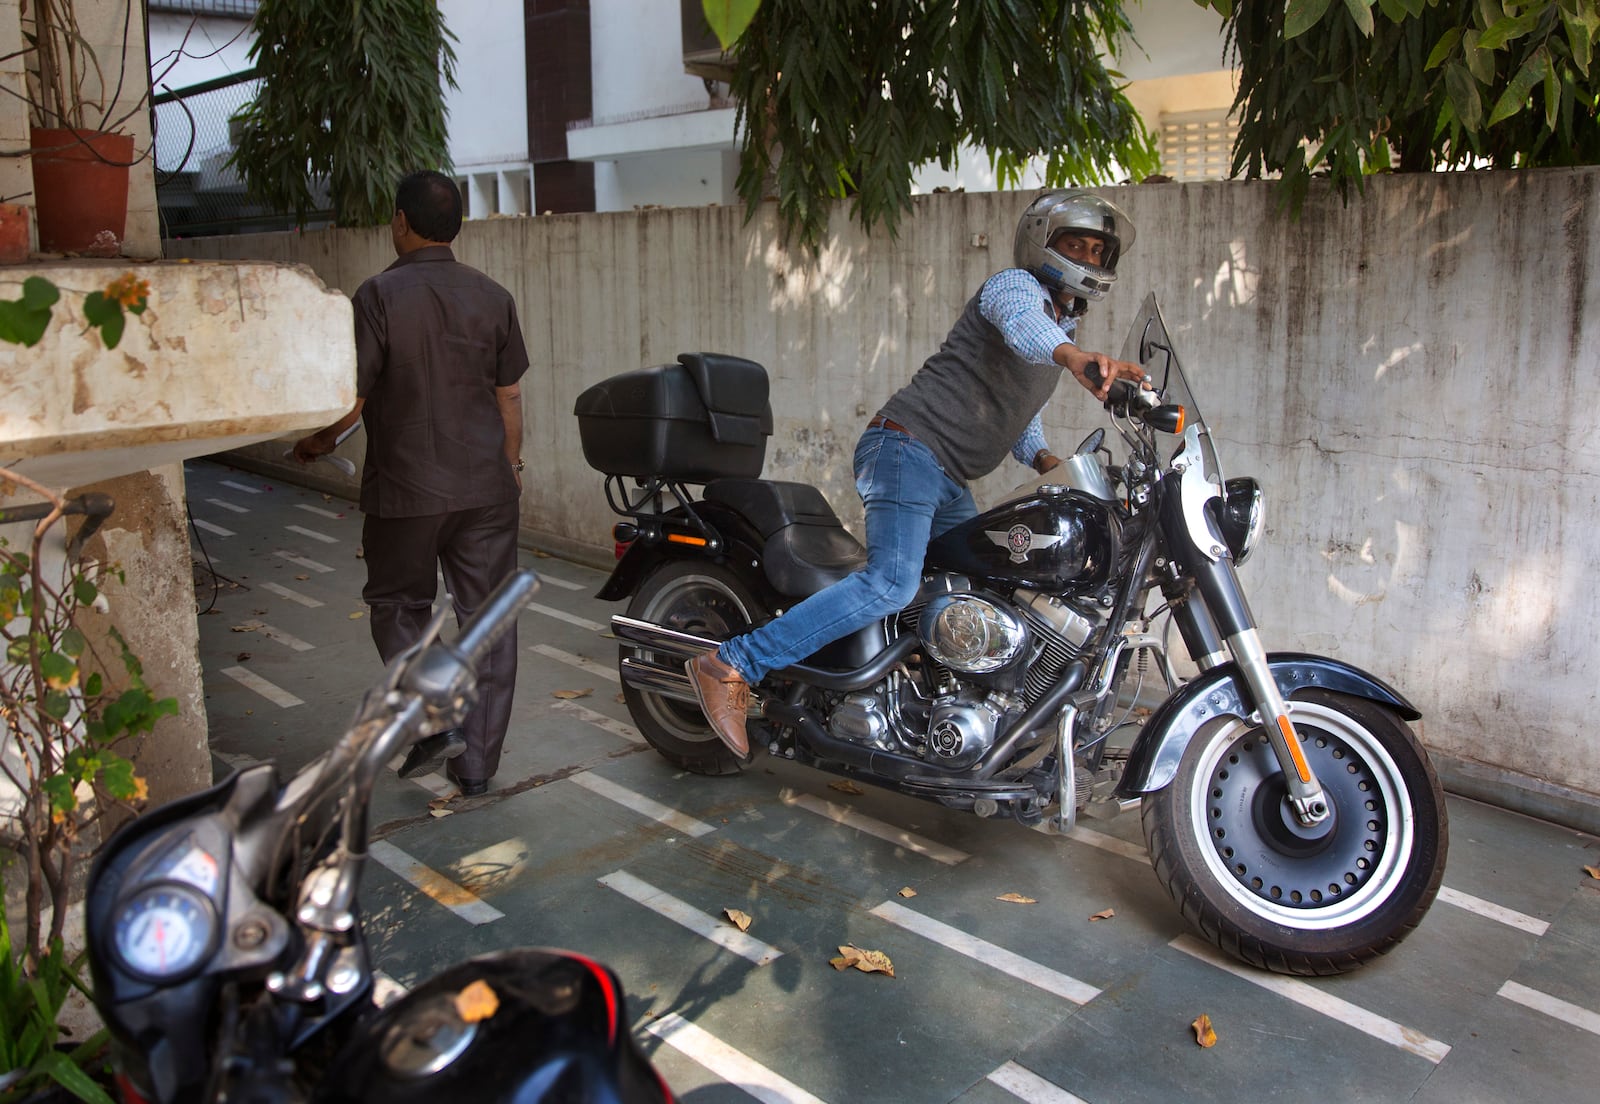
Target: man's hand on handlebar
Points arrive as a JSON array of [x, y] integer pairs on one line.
[[1097, 371]]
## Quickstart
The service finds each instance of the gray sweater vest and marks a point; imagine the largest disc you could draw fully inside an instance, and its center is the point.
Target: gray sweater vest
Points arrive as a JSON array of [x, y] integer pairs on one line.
[[971, 400]]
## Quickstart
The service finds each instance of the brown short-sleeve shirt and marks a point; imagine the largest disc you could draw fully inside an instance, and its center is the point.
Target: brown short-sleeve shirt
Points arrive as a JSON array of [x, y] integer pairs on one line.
[[434, 338]]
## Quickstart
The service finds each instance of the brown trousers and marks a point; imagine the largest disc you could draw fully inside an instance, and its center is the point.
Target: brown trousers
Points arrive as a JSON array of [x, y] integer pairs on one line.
[[476, 549]]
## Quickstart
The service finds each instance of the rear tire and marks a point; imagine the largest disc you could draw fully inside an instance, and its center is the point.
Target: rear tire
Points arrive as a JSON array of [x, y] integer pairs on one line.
[[1285, 898], [708, 600]]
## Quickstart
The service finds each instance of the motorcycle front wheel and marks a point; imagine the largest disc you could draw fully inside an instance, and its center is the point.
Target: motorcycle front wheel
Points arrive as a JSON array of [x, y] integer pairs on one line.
[[1282, 896], [708, 600]]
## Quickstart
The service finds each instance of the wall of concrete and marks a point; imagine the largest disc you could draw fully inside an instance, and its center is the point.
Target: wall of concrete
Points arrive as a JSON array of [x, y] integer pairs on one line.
[[1412, 376]]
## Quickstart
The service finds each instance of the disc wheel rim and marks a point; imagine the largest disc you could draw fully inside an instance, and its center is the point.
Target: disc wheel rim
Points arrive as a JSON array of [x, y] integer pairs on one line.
[[1317, 878]]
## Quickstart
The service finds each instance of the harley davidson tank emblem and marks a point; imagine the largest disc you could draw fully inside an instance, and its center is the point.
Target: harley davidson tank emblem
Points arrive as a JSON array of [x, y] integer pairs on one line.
[[1019, 539]]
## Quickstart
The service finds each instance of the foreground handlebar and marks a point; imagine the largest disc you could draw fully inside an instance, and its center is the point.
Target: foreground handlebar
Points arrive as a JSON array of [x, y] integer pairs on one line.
[[497, 614]]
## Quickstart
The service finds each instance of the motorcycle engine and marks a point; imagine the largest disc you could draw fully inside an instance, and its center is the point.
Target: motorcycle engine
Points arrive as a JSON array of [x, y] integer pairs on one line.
[[959, 732], [1061, 629]]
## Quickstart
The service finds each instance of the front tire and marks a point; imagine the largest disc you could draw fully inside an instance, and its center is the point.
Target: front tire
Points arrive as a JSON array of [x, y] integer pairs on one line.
[[708, 600], [1275, 894]]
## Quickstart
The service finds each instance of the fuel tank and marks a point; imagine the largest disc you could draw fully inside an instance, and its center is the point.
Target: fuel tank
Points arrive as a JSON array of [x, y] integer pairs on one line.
[[1056, 540]]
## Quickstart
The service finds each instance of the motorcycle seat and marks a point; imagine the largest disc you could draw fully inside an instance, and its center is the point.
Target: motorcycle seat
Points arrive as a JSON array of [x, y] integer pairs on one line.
[[805, 547]]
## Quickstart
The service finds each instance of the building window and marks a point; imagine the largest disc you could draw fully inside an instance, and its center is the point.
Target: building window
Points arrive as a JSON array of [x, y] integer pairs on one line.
[[243, 8], [1197, 145]]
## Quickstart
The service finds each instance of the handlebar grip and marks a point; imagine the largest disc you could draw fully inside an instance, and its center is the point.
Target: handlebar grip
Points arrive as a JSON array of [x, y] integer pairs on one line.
[[497, 614]]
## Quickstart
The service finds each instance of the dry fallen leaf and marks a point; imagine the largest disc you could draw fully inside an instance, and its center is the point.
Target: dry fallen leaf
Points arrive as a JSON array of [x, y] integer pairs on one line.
[[846, 786], [621, 698], [1104, 914], [1016, 899], [302, 578], [868, 962], [260, 613], [477, 1002], [538, 555], [361, 553], [438, 803], [1204, 1033], [908, 892], [741, 920], [1593, 871], [357, 615], [570, 694], [241, 628], [243, 656], [440, 812]]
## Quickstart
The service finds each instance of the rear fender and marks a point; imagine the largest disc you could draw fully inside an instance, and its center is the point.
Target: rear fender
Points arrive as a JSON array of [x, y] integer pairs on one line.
[[1153, 759], [740, 552]]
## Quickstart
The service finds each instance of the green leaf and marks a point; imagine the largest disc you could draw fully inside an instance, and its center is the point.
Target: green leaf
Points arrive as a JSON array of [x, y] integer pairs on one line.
[[1507, 30], [1394, 10], [71, 643], [84, 591], [1515, 97], [57, 704], [1552, 98], [1302, 15], [111, 330], [1463, 93], [729, 18], [59, 789], [39, 293], [60, 672], [22, 325], [97, 309], [1361, 12], [93, 685], [70, 1076], [1443, 48], [118, 779]]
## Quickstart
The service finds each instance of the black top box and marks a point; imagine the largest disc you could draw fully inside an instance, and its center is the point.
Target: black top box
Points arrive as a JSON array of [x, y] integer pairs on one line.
[[706, 417]]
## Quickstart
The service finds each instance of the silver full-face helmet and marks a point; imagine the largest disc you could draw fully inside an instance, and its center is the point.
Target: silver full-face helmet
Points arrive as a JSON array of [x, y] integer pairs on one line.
[[1084, 212]]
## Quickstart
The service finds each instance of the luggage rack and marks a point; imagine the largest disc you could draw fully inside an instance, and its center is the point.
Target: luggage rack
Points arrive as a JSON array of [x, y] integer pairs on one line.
[[645, 505]]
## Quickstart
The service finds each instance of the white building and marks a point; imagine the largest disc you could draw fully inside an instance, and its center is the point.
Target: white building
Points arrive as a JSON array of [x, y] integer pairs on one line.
[[572, 105]]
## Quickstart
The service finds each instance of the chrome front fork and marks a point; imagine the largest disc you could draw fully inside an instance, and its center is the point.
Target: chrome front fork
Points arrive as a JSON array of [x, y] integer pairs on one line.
[[1305, 792]]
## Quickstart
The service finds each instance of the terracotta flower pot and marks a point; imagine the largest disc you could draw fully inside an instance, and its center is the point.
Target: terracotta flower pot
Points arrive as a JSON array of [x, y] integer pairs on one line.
[[80, 189]]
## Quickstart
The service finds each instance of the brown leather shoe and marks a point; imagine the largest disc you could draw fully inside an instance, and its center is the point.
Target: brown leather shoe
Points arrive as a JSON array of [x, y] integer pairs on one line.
[[724, 696]]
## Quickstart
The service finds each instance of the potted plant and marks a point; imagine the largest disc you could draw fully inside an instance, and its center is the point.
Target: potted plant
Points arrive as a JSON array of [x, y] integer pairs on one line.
[[80, 160]]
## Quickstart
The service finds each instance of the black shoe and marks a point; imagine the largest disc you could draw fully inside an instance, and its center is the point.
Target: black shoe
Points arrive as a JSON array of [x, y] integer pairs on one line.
[[471, 787], [429, 753]]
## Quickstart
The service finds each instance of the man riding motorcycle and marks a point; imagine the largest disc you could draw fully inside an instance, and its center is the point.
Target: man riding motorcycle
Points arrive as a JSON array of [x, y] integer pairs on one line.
[[998, 366]]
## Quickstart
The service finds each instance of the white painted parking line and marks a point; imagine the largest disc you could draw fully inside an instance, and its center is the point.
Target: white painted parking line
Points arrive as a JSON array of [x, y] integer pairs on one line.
[[849, 818], [241, 487], [287, 640], [562, 615], [226, 505], [560, 583], [733, 1066], [202, 523], [252, 681], [1554, 1007], [1510, 917], [599, 720], [466, 905], [319, 511], [598, 670], [292, 595], [1024, 1084], [312, 533], [1309, 996], [981, 950], [717, 930], [301, 561], [641, 804]]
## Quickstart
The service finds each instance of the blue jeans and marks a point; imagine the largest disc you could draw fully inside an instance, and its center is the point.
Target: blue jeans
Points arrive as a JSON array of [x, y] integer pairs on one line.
[[909, 500]]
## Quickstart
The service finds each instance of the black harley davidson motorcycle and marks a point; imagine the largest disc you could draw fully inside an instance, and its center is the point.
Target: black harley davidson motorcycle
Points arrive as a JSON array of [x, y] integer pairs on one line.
[[1287, 806], [229, 963]]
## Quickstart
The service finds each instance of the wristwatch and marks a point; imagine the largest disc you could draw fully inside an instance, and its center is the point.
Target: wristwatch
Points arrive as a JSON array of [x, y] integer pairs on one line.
[[517, 467]]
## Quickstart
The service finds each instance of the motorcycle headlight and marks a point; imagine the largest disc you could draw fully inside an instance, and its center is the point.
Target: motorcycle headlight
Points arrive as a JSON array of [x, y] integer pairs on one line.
[[1240, 516]]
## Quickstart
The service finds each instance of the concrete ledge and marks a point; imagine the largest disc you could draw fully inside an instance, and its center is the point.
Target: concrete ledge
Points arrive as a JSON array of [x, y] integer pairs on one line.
[[225, 353], [1520, 793]]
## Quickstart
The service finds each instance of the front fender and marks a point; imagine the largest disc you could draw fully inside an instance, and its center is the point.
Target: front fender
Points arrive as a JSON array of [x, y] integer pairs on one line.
[[1153, 759]]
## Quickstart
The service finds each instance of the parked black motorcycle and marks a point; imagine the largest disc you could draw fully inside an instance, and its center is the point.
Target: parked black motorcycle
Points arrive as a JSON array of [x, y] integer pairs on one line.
[[1287, 806], [229, 962]]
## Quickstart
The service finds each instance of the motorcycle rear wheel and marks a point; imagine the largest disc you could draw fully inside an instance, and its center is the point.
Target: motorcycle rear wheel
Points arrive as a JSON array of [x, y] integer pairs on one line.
[[708, 600], [1283, 897]]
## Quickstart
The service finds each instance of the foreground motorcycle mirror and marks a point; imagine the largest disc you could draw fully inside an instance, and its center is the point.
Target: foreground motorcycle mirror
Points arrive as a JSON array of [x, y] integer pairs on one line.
[[1168, 418]]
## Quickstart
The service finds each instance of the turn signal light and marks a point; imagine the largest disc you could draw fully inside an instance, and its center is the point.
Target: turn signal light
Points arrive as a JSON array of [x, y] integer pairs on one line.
[[685, 538]]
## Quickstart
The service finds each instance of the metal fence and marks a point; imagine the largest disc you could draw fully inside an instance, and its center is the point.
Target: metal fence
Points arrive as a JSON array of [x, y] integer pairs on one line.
[[197, 192]]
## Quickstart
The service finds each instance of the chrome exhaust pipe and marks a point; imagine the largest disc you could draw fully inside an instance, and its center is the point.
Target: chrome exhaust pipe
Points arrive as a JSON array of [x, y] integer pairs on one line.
[[662, 673]]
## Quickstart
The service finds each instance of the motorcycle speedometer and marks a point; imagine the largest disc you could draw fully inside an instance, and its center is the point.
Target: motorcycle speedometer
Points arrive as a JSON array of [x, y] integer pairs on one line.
[[164, 931]]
